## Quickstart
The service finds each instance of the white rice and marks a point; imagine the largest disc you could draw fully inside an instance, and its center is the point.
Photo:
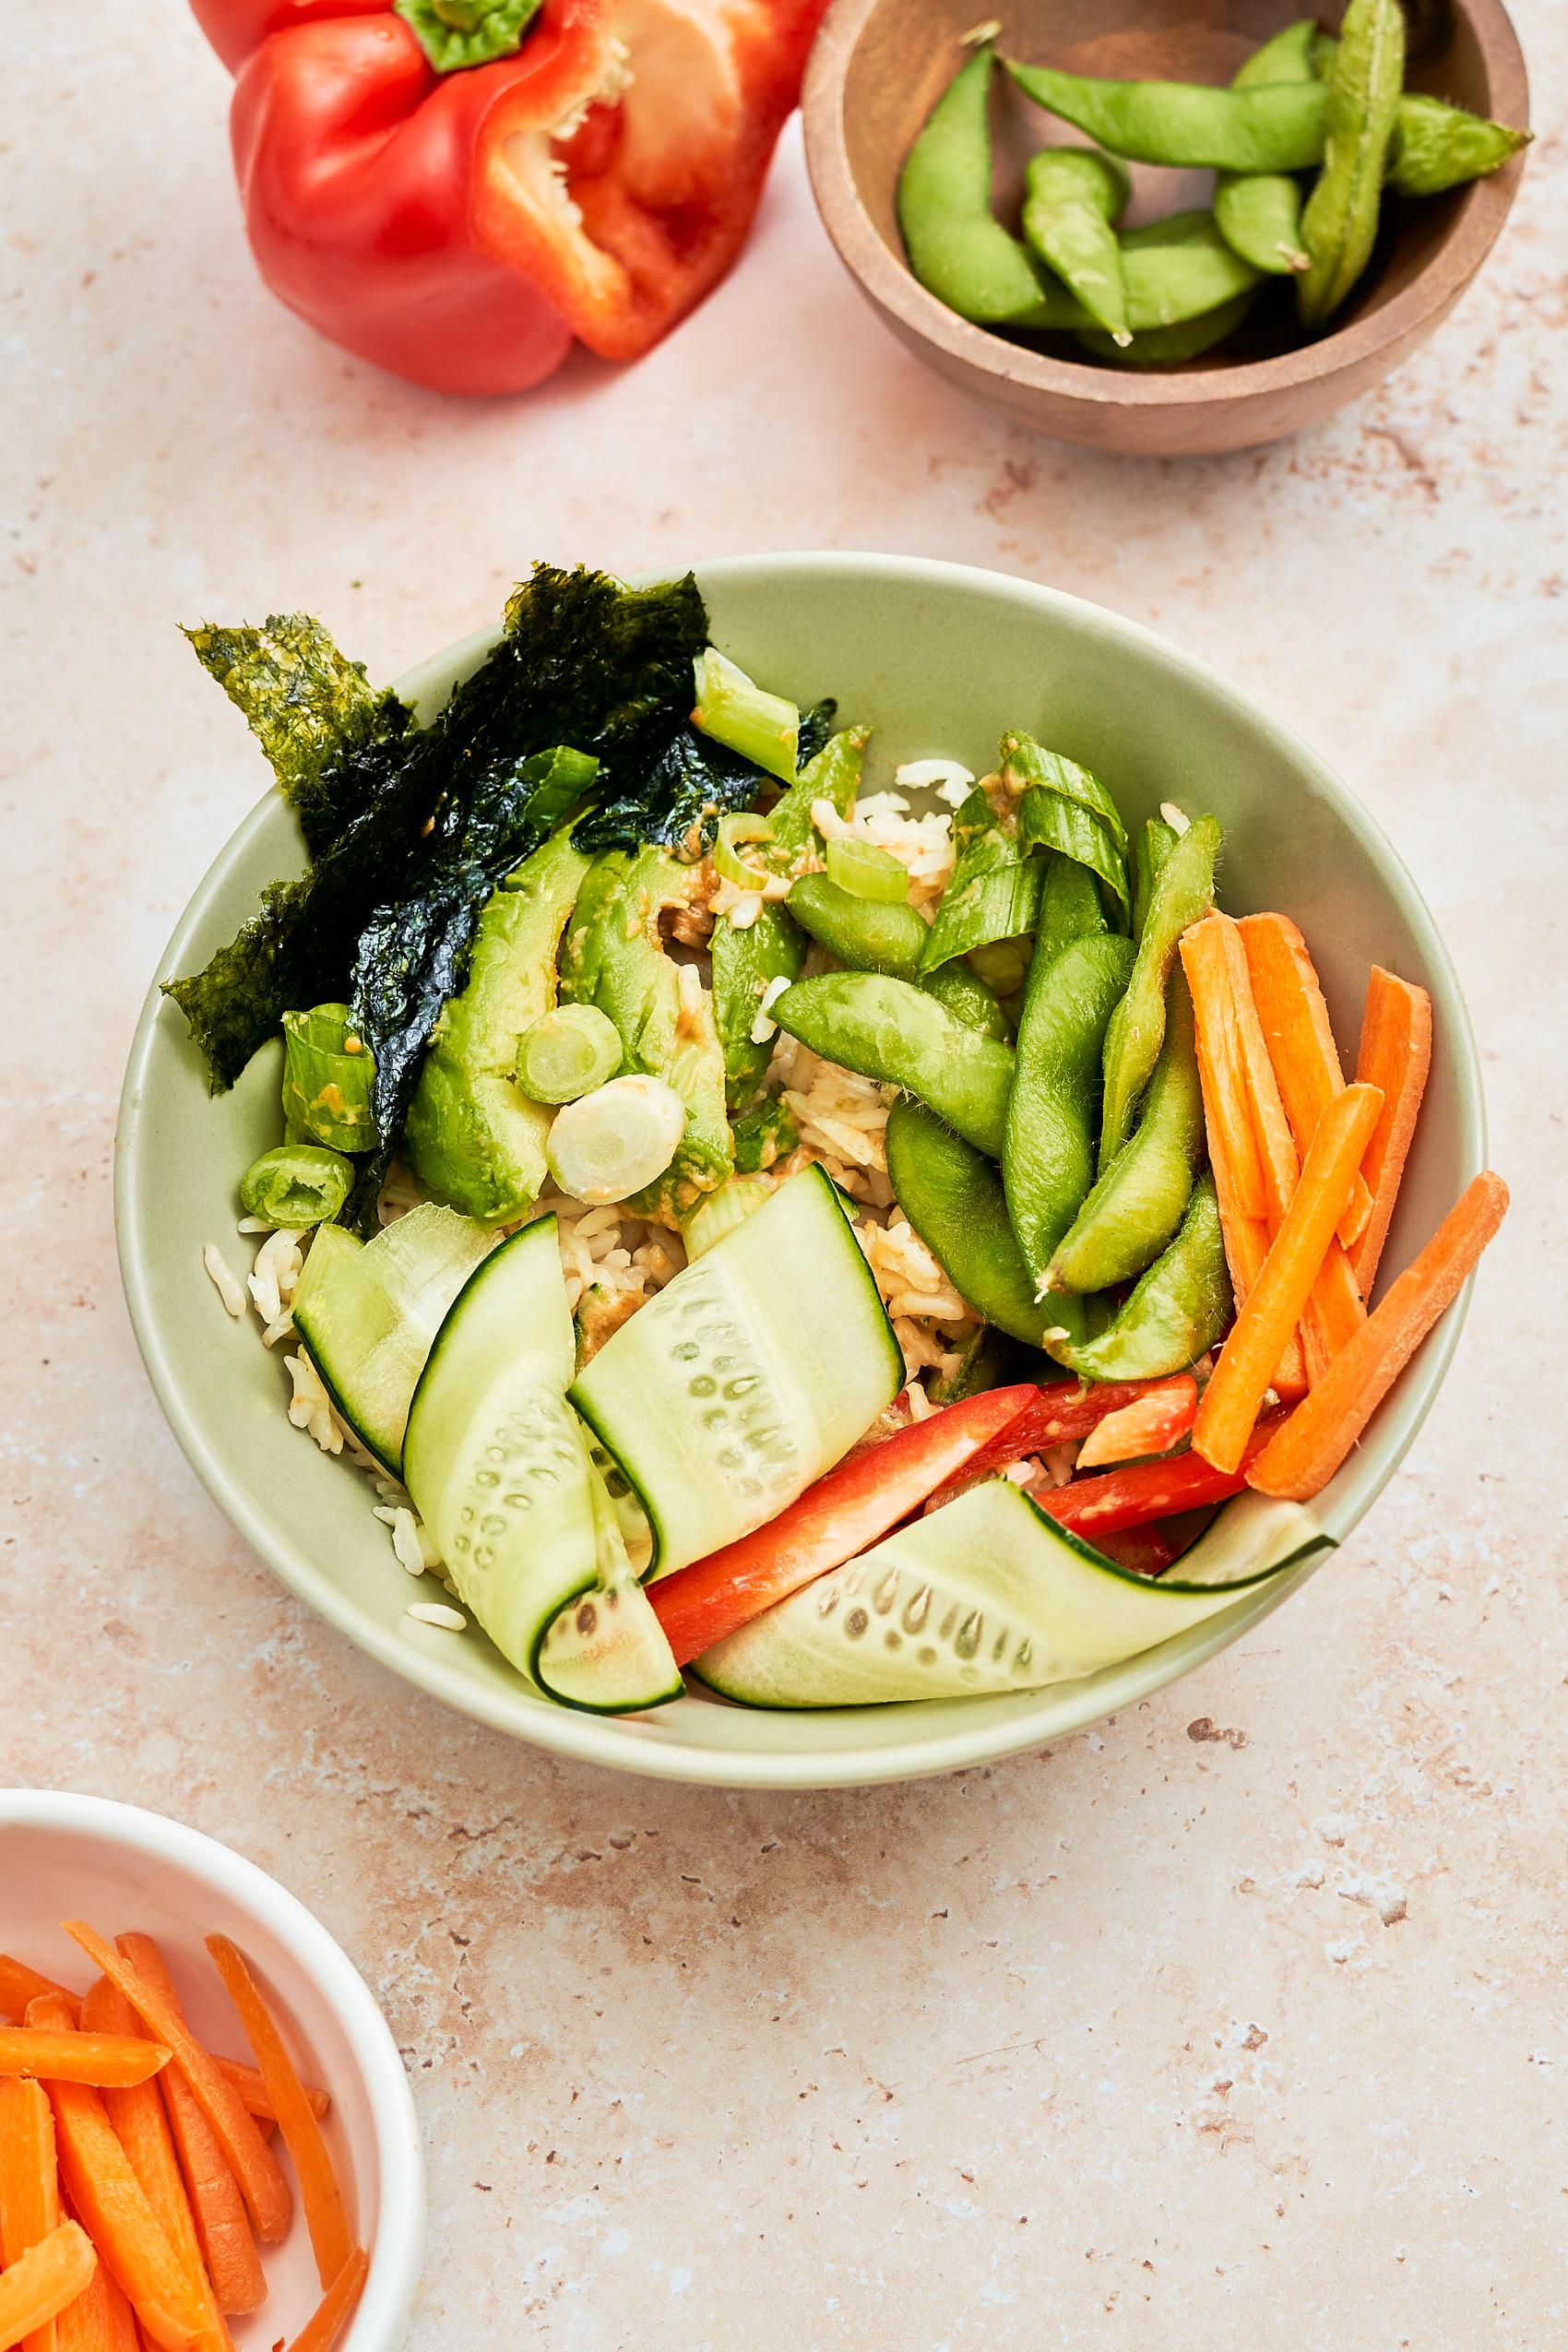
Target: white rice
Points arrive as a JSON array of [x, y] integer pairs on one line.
[[435, 1612]]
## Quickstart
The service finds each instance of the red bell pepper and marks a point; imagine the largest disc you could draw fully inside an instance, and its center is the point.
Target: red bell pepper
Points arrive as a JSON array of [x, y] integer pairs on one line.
[[1059, 1415], [834, 1519], [1117, 1499], [459, 228]]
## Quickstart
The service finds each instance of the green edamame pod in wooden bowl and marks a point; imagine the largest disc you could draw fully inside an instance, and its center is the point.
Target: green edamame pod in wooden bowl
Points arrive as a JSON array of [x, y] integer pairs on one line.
[[1243, 88]]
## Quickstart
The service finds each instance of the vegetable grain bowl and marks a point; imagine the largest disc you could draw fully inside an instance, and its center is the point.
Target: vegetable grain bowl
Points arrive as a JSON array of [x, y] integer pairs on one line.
[[776, 1177], [206, 2141]]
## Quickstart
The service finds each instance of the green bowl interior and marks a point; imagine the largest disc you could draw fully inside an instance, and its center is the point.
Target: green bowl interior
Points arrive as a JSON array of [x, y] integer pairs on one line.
[[938, 660]]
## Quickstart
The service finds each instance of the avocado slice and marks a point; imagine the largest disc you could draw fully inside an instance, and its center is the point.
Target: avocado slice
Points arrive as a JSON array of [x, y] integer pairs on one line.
[[473, 1138], [615, 958]]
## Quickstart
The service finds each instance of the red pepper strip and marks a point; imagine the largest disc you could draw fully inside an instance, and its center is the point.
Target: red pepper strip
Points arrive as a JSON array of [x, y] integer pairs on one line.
[[845, 1510], [1149, 1425], [1060, 1416], [460, 229], [1093, 1507], [1143, 1551]]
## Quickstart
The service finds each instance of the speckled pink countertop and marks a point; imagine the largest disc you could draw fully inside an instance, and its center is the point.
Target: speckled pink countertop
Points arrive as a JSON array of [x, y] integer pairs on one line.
[[1237, 2021]]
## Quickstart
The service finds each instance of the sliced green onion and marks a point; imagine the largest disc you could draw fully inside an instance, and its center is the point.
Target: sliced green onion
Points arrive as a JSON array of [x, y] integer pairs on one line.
[[567, 1053], [326, 1080], [727, 862], [297, 1184], [866, 872], [734, 710], [615, 1140], [719, 1213]]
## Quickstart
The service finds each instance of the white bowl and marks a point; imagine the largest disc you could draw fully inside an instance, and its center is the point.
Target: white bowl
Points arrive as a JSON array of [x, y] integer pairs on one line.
[[936, 659], [64, 1856]]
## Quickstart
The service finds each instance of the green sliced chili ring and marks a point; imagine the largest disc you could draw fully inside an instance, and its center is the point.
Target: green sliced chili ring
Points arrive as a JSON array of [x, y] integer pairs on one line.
[[1181, 1306], [1278, 128]]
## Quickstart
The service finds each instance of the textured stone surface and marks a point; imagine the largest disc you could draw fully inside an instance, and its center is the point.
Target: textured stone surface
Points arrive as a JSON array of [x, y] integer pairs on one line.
[[1237, 2019]]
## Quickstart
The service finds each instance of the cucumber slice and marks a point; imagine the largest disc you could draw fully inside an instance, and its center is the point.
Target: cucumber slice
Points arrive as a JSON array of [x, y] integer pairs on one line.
[[368, 1311], [747, 1376], [498, 1467], [990, 1594]]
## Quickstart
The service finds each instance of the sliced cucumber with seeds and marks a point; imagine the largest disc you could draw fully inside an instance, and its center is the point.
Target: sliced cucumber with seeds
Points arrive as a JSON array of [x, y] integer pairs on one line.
[[990, 1595], [369, 1310], [497, 1464], [747, 1376]]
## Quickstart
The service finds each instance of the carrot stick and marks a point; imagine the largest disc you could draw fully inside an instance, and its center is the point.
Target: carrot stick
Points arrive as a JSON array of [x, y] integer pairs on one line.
[[1149, 1425], [321, 2329], [1230, 1402], [252, 2090], [20, 1984], [1299, 1463], [108, 2200], [30, 2187], [141, 2125], [1334, 1312], [1213, 960], [101, 2320], [331, 2236], [1301, 1043], [106, 2061], [43, 2280], [217, 2209], [255, 2166], [1395, 1052]]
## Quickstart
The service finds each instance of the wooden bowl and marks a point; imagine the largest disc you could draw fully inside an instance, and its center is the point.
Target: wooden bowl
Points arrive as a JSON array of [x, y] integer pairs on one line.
[[878, 68]]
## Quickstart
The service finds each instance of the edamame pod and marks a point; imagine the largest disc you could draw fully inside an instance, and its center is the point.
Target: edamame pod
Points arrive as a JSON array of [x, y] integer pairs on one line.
[[994, 891], [951, 1195], [772, 947], [1069, 908], [1150, 849], [1139, 1202], [1171, 346], [962, 992], [958, 249], [1280, 128], [1048, 1157], [867, 934], [1435, 146], [1072, 195], [1339, 225], [886, 1030], [1259, 213], [1179, 1310], [1438, 146], [1178, 270], [1184, 890]]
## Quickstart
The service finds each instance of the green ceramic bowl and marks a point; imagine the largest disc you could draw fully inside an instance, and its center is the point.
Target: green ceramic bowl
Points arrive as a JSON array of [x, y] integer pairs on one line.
[[938, 660]]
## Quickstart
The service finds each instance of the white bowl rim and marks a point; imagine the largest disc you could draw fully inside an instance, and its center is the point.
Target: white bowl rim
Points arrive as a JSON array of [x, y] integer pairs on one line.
[[600, 1739], [380, 2318]]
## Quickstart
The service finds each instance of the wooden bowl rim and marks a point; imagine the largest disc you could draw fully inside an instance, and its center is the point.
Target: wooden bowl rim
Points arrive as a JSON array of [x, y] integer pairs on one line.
[[892, 287]]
